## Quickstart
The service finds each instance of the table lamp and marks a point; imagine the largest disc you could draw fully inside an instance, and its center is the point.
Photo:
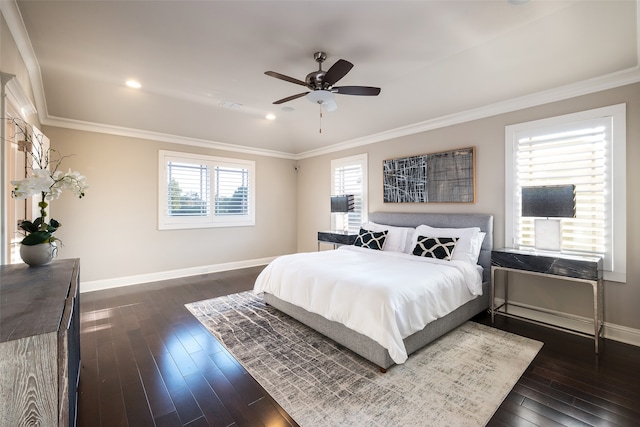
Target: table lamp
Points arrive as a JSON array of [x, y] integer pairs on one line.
[[544, 203], [342, 205]]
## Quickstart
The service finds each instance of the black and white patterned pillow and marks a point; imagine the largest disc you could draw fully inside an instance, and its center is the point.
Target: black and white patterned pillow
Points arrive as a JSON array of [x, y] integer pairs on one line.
[[371, 239], [435, 247]]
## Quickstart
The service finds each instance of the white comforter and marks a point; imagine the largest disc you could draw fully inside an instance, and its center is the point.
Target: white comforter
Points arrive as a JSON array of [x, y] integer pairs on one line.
[[386, 296]]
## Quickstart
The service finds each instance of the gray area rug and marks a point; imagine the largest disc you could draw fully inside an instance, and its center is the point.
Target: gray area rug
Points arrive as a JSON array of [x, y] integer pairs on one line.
[[459, 380]]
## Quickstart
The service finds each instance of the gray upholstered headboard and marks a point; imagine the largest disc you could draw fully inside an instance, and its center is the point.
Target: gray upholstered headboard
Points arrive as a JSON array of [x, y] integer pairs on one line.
[[484, 221]]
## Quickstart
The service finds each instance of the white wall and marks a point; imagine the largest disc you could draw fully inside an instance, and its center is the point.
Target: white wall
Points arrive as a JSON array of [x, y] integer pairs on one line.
[[487, 135]]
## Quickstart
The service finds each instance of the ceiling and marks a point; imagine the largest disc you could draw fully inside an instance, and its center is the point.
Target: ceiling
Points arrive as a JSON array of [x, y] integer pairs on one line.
[[432, 59]]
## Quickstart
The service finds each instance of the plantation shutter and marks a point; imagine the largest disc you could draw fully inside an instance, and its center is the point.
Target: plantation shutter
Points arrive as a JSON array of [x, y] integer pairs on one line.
[[199, 191], [188, 189], [573, 154], [232, 191], [349, 177]]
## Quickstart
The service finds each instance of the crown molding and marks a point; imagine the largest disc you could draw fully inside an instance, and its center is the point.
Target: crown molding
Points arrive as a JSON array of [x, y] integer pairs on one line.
[[16, 94], [162, 137], [15, 23], [585, 87]]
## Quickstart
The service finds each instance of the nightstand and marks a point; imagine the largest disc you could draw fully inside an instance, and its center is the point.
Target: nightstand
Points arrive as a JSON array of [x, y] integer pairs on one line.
[[336, 238], [575, 268]]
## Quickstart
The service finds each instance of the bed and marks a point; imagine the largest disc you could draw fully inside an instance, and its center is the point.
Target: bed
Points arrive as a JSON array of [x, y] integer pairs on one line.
[[281, 284]]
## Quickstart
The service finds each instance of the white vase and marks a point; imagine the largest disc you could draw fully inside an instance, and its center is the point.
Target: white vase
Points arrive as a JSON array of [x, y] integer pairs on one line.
[[41, 254]]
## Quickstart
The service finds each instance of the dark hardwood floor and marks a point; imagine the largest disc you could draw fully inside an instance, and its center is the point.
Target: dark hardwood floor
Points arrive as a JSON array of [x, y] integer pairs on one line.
[[146, 361]]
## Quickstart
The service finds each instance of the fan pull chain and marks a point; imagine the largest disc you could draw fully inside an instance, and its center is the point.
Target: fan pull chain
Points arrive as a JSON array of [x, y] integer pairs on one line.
[[320, 119]]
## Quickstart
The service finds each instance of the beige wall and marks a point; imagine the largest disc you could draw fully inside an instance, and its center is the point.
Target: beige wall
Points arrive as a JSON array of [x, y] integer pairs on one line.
[[114, 228], [487, 135]]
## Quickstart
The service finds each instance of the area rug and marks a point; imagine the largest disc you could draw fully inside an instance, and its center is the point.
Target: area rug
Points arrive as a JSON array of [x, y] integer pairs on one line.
[[458, 380]]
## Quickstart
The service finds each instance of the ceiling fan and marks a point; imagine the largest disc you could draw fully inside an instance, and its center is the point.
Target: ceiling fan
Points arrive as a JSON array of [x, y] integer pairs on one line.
[[321, 83]]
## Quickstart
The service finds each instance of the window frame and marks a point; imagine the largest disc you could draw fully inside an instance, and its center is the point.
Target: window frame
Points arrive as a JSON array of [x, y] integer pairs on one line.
[[360, 160], [615, 266], [170, 222]]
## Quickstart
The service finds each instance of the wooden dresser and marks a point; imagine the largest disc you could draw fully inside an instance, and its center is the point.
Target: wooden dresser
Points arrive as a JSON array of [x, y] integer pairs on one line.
[[39, 344]]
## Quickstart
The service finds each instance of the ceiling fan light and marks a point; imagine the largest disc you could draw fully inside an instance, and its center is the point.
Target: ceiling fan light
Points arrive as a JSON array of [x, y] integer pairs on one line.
[[321, 97], [330, 105]]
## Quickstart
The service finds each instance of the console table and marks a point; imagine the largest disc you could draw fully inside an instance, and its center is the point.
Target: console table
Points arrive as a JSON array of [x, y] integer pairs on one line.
[[575, 268], [336, 238], [39, 343]]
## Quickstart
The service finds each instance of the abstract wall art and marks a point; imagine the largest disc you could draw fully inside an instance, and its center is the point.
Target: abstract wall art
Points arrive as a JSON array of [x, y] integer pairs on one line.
[[445, 177]]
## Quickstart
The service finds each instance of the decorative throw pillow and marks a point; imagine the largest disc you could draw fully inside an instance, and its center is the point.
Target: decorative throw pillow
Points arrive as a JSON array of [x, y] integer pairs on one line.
[[468, 246], [371, 239], [435, 247], [398, 238]]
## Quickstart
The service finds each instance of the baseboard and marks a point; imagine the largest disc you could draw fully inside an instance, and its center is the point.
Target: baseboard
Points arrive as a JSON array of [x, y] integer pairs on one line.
[[583, 324], [99, 285]]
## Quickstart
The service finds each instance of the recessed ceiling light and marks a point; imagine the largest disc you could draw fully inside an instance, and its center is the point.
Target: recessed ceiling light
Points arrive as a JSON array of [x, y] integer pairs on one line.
[[270, 116], [134, 84]]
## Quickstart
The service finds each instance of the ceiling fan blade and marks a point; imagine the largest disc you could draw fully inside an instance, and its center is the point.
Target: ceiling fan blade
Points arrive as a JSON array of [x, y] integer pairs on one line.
[[336, 72], [285, 78], [357, 90], [290, 98]]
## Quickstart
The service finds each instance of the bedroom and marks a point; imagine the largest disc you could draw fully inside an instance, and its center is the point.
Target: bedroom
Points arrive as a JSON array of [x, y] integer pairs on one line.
[[293, 190]]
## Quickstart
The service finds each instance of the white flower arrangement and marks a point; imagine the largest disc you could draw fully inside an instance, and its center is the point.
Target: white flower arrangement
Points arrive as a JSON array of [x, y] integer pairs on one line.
[[42, 181], [45, 180]]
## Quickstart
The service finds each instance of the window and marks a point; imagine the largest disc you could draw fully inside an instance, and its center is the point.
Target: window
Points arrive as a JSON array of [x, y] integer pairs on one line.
[[349, 176], [188, 190], [198, 191], [586, 149]]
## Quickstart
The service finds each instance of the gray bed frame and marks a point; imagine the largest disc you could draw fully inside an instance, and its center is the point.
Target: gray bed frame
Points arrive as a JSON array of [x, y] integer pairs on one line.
[[370, 349]]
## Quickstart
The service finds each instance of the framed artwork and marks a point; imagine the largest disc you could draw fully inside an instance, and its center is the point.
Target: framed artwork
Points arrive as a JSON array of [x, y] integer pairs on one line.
[[445, 177]]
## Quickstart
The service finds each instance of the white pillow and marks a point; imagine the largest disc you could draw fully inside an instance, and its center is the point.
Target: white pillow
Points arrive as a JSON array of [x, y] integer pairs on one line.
[[468, 245], [478, 245], [397, 237]]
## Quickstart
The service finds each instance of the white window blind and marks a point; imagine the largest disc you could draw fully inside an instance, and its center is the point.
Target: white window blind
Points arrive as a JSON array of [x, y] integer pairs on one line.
[[198, 191], [349, 176], [586, 149], [576, 156]]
